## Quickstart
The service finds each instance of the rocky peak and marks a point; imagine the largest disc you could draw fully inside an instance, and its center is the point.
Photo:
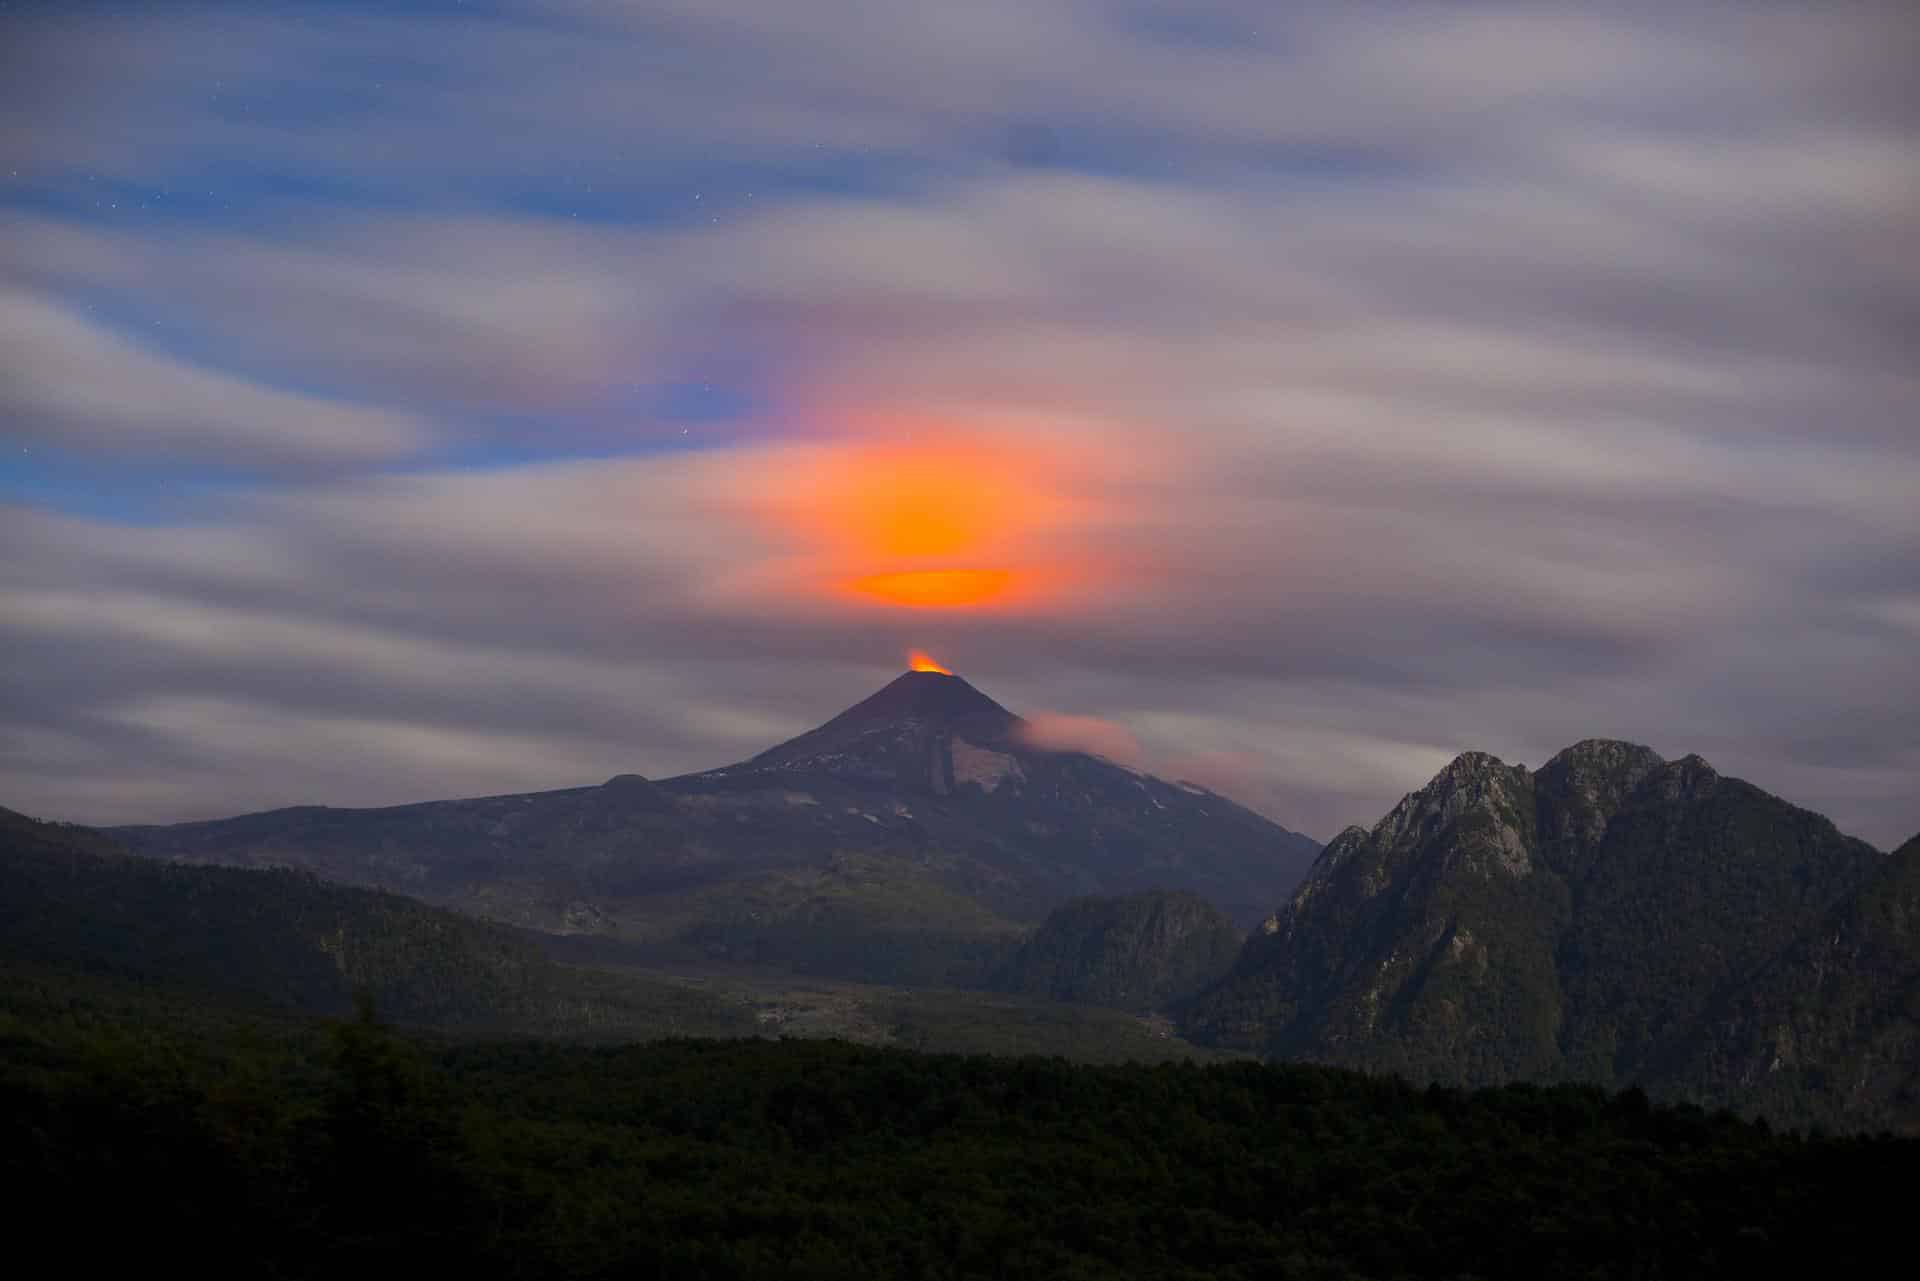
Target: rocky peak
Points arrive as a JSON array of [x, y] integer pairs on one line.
[[625, 795], [1595, 762], [904, 733], [1688, 778], [919, 705], [1485, 803], [1467, 768], [1585, 786], [932, 697], [1351, 838], [1472, 780], [1350, 841]]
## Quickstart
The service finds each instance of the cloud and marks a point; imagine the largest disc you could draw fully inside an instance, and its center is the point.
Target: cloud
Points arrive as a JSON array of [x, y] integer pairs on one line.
[[1063, 732], [1380, 382], [75, 384], [451, 314]]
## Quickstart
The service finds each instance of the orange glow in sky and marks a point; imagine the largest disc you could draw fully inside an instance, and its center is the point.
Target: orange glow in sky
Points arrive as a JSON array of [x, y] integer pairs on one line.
[[927, 502], [920, 661], [935, 588], [933, 518]]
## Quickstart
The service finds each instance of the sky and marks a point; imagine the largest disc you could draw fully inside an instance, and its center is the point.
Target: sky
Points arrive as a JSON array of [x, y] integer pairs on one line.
[[401, 401]]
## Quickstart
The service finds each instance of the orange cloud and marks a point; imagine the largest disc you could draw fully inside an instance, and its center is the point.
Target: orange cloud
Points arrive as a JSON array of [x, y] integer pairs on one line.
[[1230, 772], [923, 515], [1060, 732], [935, 588]]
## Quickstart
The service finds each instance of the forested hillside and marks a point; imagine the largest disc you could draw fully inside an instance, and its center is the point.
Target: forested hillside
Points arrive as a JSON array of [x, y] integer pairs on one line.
[[1830, 1028], [1612, 918], [81, 923], [70, 903], [1139, 952], [285, 1151]]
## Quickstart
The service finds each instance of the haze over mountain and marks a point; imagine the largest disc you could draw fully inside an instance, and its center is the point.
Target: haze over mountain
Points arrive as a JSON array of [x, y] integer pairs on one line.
[[909, 838], [1611, 917]]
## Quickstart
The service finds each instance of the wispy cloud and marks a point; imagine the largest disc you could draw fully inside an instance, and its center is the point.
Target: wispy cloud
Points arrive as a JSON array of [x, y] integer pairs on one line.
[[77, 384], [1404, 379]]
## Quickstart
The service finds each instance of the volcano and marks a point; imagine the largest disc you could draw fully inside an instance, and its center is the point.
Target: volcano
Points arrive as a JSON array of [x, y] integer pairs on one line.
[[903, 734], [921, 817]]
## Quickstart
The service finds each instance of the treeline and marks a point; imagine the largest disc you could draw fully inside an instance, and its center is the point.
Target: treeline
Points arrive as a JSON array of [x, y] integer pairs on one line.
[[288, 1149], [76, 914], [71, 903]]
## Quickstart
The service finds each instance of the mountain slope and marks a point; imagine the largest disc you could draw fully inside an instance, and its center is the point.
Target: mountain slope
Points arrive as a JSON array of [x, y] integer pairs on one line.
[[926, 798], [89, 933], [72, 904], [1381, 957], [900, 734], [1830, 1029], [955, 771], [1586, 921], [1140, 952]]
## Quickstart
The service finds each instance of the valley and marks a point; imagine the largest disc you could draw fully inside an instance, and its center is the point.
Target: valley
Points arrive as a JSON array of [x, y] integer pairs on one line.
[[606, 1035], [912, 838], [916, 874]]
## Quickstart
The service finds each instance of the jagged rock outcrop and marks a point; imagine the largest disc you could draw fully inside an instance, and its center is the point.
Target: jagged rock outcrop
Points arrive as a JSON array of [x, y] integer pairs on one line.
[[1586, 921], [1384, 955]]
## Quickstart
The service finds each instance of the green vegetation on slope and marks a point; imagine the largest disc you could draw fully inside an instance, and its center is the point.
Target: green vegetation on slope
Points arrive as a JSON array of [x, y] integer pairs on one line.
[[70, 904], [1830, 1028], [1598, 920], [1013, 1026], [857, 917], [79, 921], [1140, 952]]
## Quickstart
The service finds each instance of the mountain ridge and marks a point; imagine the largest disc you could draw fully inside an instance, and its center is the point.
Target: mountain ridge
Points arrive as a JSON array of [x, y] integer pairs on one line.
[[73, 904], [1587, 921], [923, 794]]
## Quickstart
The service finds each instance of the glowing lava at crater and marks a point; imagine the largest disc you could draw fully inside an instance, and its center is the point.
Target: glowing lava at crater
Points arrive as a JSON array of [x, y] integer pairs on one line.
[[921, 661]]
